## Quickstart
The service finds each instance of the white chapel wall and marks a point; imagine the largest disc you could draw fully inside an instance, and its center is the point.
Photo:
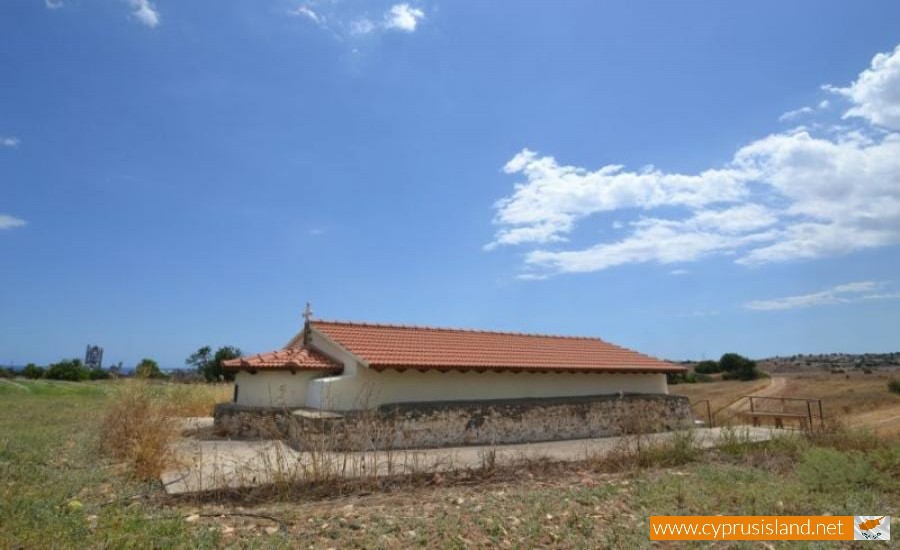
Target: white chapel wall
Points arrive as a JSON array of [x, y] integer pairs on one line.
[[273, 388], [368, 389]]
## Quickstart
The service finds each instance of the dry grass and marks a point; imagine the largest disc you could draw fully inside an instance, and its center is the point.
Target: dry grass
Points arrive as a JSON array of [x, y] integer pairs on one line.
[[844, 394], [141, 422], [720, 394], [46, 458], [859, 400], [196, 399], [138, 429]]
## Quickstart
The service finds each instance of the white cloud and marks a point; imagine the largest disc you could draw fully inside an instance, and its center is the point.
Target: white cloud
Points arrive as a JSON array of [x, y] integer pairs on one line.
[[555, 197], [53, 4], [841, 294], [679, 272], [790, 115], [403, 17], [145, 12], [824, 104], [9, 222], [876, 93], [842, 195], [700, 313], [347, 21], [9, 141], [661, 241], [308, 12], [362, 26], [798, 194]]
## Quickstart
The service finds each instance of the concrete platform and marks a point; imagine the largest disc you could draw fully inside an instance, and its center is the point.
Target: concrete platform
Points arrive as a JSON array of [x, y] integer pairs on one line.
[[215, 464]]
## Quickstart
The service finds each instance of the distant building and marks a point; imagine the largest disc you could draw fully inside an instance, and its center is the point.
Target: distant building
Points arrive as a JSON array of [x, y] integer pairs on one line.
[[93, 357]]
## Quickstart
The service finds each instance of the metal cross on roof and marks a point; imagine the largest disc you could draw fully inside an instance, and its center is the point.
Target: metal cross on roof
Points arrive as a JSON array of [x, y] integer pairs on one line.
[[307, 313]]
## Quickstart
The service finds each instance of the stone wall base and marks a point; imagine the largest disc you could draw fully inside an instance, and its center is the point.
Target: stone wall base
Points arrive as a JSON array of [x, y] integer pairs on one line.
[[451, 424]]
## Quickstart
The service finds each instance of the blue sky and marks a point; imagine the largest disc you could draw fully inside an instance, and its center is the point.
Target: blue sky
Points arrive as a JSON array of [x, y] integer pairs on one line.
[[684, 178]]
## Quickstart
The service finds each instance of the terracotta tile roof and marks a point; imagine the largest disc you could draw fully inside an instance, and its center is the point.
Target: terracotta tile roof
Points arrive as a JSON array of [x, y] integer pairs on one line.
[[286, 359], [402, 347]]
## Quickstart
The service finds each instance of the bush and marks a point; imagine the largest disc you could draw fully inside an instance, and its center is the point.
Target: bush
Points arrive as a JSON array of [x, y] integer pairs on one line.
[[142, 421], [71, 370], [708, 367], [7, 373], [894, 385], [148, 368], [33, 371], [139, 429], [738, 367], [99, 374], [687, 378], [830, 470], [700, 377]]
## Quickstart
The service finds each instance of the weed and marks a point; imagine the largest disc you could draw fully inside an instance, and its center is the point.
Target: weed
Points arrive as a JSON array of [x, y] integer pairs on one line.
[[825, 470], [138, 429]]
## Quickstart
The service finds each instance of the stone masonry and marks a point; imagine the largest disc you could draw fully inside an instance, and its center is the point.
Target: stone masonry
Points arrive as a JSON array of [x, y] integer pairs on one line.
[[443, 424]]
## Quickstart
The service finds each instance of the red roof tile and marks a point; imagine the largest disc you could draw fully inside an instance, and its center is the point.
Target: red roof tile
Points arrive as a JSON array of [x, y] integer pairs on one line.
[[287, 359], [401, 347]]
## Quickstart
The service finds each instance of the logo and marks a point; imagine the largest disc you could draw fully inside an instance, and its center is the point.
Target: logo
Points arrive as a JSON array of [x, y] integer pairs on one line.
[[871, 527]]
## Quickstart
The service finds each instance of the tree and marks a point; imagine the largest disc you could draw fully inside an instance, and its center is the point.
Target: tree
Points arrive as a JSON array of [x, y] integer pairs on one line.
[[70, 369], [32, 371], [209, 364], [148, 368], [200, 359], [738, 367], [708, 367]]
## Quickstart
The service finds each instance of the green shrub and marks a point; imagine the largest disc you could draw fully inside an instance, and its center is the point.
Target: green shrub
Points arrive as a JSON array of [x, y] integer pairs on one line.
[[681, 378], [7, 373], [738, 367], [71, 369], [99, 374], [887, 460], [33, 371], [708, 367], [830, 470], [894, 385]]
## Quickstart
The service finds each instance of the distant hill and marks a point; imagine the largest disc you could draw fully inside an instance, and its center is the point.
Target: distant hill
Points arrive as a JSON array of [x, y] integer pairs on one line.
[[830, 361], [824, 361]]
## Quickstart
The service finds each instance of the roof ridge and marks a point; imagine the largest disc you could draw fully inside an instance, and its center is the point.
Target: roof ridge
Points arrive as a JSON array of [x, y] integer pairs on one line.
[[455, 329]]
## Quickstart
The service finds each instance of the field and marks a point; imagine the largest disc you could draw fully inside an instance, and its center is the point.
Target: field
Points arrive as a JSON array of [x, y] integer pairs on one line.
[[856, 399], [58, 490]]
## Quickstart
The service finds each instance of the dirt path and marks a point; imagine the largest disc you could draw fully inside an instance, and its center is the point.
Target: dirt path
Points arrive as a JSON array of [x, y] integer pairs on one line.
[[883, 421], [776, 385], [15, 384]]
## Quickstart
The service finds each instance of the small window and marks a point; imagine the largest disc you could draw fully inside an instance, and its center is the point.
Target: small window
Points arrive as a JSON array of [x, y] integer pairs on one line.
[[235, 392]]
